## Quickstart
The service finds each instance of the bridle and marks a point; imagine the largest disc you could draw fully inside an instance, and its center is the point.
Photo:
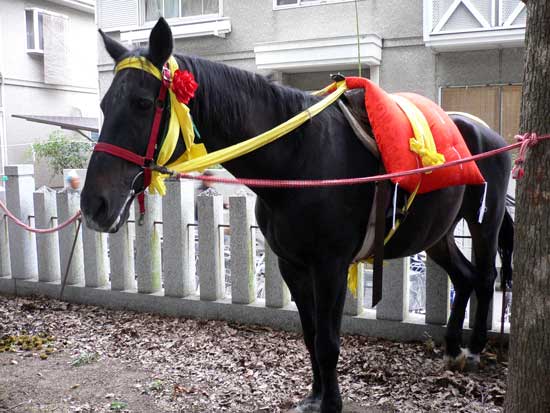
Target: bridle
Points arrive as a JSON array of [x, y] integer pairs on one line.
[[151, 165], [145, 162]]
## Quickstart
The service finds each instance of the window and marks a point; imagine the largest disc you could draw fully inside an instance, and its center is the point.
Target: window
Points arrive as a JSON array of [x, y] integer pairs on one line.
[[35, 30], [169, 9], [284, 4], [497, 105]]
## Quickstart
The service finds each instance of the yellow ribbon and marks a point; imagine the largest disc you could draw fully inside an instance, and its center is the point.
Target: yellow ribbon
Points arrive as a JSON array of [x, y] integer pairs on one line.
[[180, 120], [423, 143], [195, 158]]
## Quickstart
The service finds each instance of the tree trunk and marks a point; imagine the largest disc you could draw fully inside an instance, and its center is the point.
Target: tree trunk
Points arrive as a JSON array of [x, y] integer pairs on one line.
[[529, 368]]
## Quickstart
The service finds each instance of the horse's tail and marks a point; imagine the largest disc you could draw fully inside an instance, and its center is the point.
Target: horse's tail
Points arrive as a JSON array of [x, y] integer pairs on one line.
[[506, 248]]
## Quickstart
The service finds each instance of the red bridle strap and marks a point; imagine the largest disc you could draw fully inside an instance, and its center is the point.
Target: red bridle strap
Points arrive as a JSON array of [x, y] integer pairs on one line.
[[120, 153]]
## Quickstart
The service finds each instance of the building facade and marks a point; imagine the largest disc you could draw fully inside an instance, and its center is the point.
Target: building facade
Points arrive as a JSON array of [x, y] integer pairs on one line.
[[48, 67], [465, 54]]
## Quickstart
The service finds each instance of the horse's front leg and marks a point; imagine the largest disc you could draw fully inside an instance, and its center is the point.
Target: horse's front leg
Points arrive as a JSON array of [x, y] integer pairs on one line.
[[330, 293], [300, 284]]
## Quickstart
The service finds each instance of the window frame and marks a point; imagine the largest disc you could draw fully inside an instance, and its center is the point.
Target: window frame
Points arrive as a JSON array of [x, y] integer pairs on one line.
[[35, 49], [36, 11], [179, 19], [308, 4]]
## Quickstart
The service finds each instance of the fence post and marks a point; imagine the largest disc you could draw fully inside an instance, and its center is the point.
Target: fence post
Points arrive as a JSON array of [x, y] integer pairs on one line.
[[211, 265], [354, 305], [395, 303], [47, 245], [121, 258], [95, 257], [68, 203], [19, 190], [178, 246], [243, 279], [437, 293], [5, 264], [277, 294], [148, 246]]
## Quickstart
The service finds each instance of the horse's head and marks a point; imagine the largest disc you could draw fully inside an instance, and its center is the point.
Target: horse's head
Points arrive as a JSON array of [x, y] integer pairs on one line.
[[129, 108]]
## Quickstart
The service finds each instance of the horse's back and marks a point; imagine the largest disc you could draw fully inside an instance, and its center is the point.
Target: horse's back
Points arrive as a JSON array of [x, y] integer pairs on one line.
[[495, 169]]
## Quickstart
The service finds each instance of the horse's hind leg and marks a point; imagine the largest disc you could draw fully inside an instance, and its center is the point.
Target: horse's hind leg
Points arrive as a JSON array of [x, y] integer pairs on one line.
[[446, 253], [300, 284], [484, 250]]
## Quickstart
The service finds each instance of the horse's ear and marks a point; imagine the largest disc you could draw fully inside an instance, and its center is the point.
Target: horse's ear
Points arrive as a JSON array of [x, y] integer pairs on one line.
[[161, 43], [114, 48]]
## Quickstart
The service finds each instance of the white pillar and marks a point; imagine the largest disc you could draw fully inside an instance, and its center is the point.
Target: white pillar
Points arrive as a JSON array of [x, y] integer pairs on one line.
[[277, 294], [96, 265], [19, 190], [47, 245], [375, 74], [354, 305], [243, 249], [68, 203], [437, 294], [211, 267], [178, 246], [5, 264], [148, 261], [394, 304]]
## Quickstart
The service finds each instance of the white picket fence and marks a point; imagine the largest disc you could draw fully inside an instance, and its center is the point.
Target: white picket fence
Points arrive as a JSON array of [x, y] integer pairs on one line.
[[156, 267]]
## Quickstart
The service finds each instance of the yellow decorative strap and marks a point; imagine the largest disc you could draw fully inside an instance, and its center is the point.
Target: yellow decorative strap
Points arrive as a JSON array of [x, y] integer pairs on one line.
[[180, 120], [423, 143], [353, 270], [242, 148], [195, 158]]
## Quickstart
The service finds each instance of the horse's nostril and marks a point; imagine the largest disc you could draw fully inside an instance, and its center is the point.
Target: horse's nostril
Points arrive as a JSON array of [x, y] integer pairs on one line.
[[102, 207], [95, 207]]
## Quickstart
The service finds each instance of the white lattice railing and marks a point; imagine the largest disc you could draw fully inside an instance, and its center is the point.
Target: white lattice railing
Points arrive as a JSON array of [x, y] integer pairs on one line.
[[473, 24]]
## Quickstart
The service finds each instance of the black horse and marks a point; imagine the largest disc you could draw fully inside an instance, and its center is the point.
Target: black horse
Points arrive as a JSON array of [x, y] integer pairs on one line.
[[315, 232]]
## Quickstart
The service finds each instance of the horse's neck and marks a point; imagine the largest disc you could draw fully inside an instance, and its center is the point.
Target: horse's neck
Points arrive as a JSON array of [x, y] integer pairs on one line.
[[226, 118]]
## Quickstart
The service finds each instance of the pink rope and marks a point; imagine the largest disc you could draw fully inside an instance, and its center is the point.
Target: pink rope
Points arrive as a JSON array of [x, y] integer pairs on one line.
[[20, 223], [526, 141]]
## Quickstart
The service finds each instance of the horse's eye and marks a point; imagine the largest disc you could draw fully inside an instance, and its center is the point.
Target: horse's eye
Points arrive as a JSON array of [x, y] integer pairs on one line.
[[142, 103]]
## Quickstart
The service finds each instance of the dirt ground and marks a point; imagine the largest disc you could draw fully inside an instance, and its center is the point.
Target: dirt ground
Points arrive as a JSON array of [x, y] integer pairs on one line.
[[59, 357]]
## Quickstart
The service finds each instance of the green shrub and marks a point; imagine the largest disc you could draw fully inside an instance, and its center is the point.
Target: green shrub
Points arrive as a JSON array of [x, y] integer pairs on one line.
[[61, 153]]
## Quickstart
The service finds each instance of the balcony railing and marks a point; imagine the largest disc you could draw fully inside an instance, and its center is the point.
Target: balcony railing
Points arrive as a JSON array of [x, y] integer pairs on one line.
[[451, 25]]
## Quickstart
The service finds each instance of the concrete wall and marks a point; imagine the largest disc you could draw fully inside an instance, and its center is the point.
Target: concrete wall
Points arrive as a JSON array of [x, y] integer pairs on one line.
[[407, 65], [24, 90], [254, 22], [480, 67]]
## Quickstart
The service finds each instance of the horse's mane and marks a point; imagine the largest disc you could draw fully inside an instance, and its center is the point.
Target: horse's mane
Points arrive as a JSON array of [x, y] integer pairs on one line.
[[240, 92]]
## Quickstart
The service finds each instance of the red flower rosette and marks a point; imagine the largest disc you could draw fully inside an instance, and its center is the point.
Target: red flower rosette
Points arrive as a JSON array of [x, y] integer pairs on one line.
[[184, 86]]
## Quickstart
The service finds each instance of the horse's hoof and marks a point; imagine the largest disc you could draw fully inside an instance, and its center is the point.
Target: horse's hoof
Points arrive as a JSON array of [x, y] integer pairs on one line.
[[309, 405], [473, 361], [465, 361], [456, 363]]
